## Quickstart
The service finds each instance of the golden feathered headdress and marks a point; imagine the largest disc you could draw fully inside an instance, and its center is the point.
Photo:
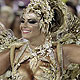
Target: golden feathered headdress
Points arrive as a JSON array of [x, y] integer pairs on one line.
[[41, 8]]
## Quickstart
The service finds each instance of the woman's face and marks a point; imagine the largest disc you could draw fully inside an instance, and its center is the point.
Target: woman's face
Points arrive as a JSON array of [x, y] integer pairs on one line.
[[30, 26]]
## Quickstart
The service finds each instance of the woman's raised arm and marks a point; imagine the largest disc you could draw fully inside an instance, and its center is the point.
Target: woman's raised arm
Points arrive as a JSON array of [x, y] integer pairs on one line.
[[71, 54]]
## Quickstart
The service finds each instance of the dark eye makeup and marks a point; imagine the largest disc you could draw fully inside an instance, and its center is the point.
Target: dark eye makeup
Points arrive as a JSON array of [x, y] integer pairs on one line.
[[32, 21]]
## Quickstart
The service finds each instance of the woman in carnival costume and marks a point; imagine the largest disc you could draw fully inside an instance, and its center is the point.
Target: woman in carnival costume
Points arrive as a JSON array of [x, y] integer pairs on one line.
[[43, 57]]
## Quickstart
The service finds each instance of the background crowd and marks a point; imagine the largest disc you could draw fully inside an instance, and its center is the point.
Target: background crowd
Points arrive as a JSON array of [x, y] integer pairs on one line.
[[11, 10]]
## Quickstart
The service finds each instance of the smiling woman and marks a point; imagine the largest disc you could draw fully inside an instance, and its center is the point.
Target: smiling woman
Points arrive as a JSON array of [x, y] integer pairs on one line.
[[40, 58], [30, 26]]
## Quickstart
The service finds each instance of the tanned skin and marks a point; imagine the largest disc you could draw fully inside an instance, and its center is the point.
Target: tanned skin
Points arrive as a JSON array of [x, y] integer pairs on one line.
[[71, 53], [4, 61]]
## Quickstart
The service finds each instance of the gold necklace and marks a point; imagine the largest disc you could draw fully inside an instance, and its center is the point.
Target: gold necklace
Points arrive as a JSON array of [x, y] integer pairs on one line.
[[40, 49]]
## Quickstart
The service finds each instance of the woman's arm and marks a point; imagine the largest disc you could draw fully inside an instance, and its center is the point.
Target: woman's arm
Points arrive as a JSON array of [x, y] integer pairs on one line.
[[4, 61], [71, 54]]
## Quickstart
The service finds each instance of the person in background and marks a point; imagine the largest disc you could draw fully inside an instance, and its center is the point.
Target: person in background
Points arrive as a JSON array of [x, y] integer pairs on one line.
[[17, 20], [7, 16], [72, 8]]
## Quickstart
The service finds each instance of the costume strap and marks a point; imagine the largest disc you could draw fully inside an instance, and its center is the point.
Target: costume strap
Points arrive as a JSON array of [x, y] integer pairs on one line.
[[60, 59], [12, 53], [6, 39]]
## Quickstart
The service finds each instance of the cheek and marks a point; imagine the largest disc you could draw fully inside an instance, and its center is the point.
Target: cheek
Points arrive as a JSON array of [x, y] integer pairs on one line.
[[35, 28], [21, 26]]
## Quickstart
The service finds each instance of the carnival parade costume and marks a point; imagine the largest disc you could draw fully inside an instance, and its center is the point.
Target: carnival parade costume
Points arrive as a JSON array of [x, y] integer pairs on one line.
[[64, 29]]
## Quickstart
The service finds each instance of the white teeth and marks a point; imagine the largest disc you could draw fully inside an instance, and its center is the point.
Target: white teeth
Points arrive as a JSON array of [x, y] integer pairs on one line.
[[26, 31]]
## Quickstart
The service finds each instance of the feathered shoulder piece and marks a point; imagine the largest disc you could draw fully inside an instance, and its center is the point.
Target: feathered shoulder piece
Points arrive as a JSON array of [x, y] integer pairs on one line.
[[6, 39], [66, 27]]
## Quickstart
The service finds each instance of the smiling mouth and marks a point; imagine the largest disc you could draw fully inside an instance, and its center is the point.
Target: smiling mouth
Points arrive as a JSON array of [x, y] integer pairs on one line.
[[26, 31]]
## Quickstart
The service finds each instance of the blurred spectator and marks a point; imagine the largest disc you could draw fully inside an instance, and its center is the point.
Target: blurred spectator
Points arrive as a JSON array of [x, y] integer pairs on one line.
[[21, 6], [16, 25], [11, 10], [72, 8], [78, 10], [7, 16], [13, 3], [75, 2], [26, 2], [9, 2], [2, 2]]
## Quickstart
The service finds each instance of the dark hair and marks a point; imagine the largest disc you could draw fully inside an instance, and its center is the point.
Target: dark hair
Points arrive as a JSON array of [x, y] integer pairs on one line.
[[70, 4]]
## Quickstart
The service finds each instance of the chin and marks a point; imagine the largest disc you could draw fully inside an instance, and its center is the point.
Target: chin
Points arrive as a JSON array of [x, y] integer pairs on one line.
[[26, 37]]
